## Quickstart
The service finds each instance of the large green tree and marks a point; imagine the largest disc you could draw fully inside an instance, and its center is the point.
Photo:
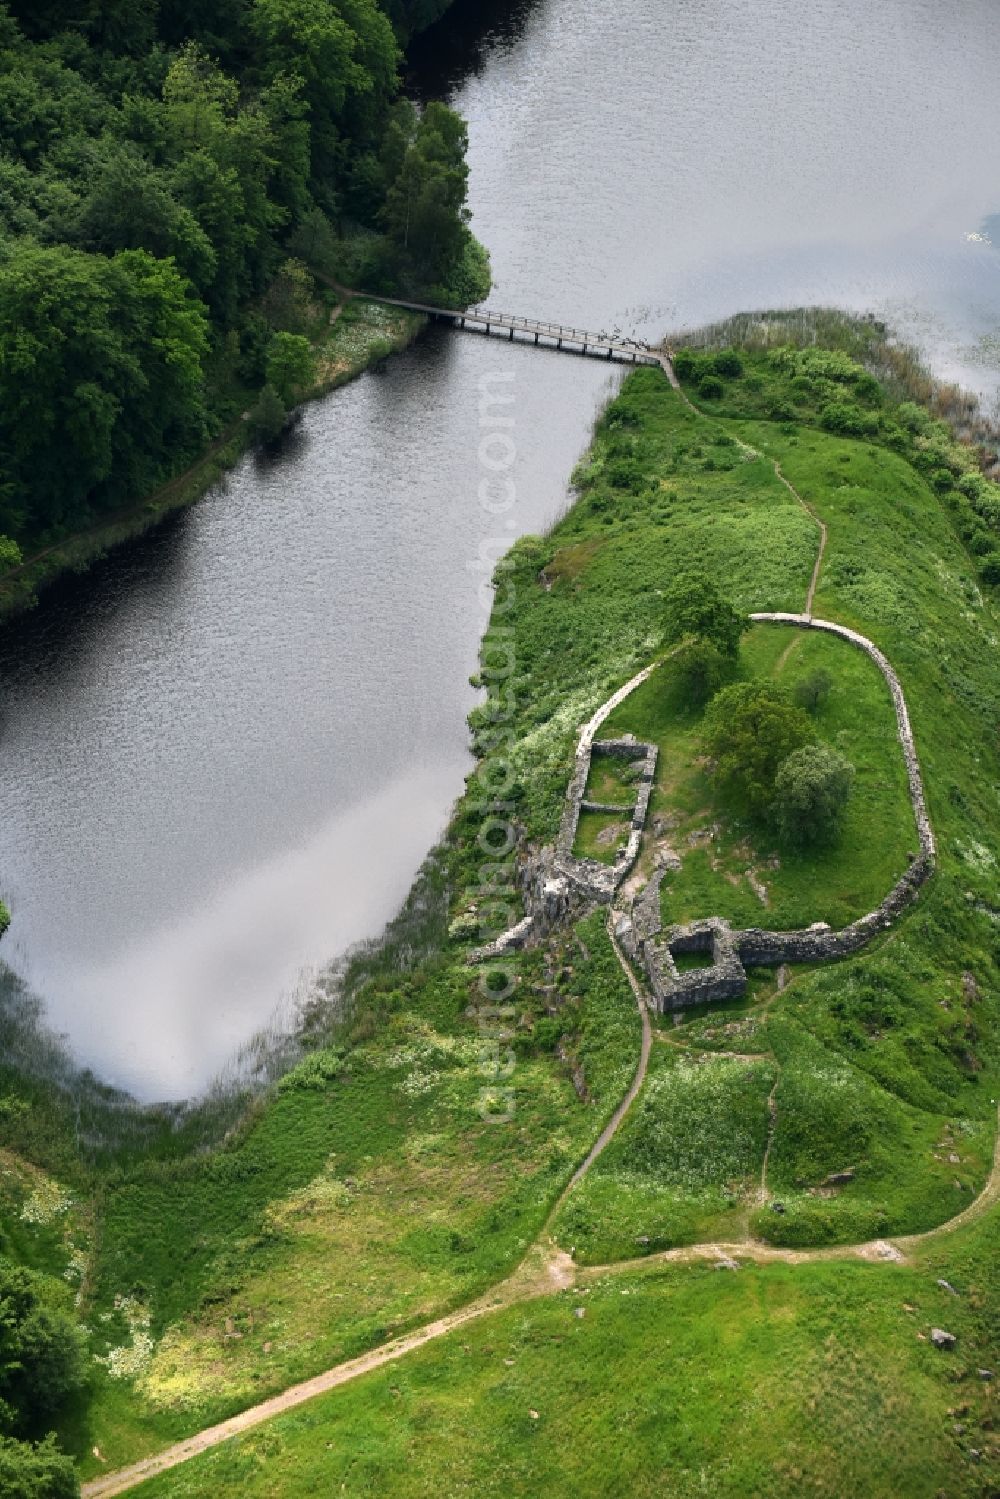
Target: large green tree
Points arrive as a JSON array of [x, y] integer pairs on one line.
[[41, 1350], [694, 608], [100, 377], [345, 53], [750, 729], [426, 203], [811, 791], [35, 1472]]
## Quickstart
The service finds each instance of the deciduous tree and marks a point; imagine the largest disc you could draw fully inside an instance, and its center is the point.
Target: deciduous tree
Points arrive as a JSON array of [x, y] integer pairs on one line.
[[750, 729], [811, 792]]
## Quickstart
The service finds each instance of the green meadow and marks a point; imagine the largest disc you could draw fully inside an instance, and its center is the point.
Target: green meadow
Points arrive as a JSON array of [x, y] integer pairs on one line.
[[381, 1182], [815, 1378]]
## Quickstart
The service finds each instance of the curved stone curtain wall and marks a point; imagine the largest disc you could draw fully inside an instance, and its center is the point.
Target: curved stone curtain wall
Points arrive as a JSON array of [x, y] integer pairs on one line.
[[548, 886], [925, 833]]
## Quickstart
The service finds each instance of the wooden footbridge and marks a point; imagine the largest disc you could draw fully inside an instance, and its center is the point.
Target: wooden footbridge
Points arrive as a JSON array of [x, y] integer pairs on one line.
[[545, 335]]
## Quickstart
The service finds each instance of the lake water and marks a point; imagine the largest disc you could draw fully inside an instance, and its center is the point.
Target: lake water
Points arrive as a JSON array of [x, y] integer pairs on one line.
[[224, 752]]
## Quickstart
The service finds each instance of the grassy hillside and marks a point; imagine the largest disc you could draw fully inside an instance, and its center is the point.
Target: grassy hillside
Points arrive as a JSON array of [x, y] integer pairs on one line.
[[808, 1379], [416, 1153]]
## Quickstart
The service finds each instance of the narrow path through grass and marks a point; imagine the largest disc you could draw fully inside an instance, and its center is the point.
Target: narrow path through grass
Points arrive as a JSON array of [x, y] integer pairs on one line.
[[545, 1269], [668, 370]]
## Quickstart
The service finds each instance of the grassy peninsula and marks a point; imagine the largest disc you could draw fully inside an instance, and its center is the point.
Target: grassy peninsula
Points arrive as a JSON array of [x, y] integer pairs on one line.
[[718, 1325]]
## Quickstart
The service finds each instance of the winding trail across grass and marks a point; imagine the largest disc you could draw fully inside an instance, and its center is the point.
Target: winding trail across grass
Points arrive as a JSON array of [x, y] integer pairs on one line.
[[614, 1123], [668, 369], [546, 1269], [544, 1272]]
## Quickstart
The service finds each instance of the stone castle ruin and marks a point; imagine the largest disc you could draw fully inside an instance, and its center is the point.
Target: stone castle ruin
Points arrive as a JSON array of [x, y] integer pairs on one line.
[[561, 884]]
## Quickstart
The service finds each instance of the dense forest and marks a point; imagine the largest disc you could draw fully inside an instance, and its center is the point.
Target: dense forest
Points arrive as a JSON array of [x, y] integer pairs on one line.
[[173, 176]]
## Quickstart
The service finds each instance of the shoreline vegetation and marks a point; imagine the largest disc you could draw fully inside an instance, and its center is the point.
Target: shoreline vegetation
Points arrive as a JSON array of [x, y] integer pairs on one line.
[[176, 180], [214, 1260], [358, 334]]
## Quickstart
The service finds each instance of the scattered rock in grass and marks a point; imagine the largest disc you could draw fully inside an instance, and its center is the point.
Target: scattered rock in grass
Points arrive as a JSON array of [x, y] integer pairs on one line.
[[985, 1374], [946, 1285], [725, 1263], [954, 1160], [667, 858], [758, 887], [509, 1362], [839, 1178], [942, 1339], [970, 989], [886, 1251], [533, 1415], [643, 1239], [777, 1207], [579, 1311], [782, 976]]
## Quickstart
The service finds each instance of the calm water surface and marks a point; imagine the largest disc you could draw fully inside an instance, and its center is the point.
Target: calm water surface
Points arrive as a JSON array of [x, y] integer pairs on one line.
[[224, 753]]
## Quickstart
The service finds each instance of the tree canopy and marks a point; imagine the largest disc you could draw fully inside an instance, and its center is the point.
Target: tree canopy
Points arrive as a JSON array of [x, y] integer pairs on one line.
[[41, 1367], [37, 1471], [162, 164], [750, 729], [811, 791], [694, 607]]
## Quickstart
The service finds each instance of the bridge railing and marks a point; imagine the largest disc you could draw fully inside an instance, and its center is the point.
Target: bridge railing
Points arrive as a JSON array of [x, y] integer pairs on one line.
[[552, 330]]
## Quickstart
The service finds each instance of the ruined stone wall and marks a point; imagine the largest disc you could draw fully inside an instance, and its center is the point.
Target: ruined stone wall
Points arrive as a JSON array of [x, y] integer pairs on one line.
[[569, 880], [862, 643]]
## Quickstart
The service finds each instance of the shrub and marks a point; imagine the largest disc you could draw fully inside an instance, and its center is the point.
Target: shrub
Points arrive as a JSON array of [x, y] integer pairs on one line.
[[727, 362], [989, 569], [288, 302], [687, 364], [847, 419], [290, 366], [812, 690], [811, 791], [267, 415], [315, 1072], [710, 388], [867, 388], [626, 473], [913, 417]]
